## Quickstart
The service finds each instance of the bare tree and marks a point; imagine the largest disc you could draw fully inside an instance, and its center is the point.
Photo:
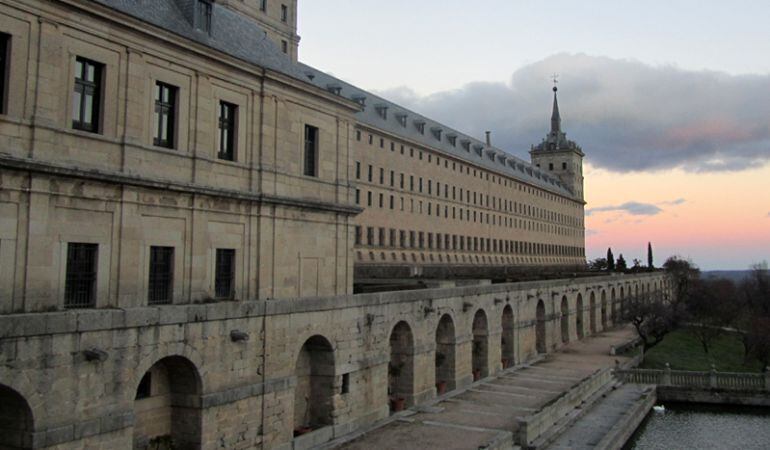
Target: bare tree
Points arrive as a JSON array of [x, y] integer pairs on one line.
[[653, 319], [710, 308]]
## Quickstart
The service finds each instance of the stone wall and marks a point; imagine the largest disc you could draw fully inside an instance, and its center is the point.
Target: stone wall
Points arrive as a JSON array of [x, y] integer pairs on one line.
[[227, 374]]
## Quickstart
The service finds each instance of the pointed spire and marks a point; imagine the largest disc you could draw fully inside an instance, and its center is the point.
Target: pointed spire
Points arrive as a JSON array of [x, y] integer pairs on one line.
[[555, 117]]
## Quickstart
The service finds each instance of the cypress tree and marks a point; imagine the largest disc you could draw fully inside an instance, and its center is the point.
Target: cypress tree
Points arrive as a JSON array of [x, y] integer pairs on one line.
[[622, 266], [610, 261], [649, 255]]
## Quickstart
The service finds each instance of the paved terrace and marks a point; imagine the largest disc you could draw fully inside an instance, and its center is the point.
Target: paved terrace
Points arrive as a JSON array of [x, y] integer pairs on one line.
[[485, 414]]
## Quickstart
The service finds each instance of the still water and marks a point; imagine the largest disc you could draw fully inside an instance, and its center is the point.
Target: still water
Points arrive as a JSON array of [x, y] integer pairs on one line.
[[688, 426]]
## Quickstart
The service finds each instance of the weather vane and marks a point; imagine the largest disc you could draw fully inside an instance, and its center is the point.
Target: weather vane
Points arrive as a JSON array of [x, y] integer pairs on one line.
[[555, 78]]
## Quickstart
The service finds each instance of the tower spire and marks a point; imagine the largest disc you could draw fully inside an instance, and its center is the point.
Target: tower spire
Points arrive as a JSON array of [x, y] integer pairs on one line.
[[555, 117]]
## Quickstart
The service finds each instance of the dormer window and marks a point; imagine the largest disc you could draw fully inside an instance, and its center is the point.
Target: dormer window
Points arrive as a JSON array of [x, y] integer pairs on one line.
[[401, 117], [479, 149], [420, 125], [382, 111], [360, 99], [334, 88], [310, 76], [203, 16], [452, 139], [466, 145], [436, 132]]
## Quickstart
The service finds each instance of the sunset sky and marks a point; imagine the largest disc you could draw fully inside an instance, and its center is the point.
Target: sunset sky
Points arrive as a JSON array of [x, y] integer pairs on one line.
[[670, 102]]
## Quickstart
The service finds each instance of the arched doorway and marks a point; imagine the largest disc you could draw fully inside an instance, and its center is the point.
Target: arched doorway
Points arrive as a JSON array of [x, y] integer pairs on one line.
[[579, 316], [445, 355], [315, 385], [401, 367], [592, 313], [480, 350], [564, 320], [167, 406], [507, 353], [613, 308], [16, 425], [540, 343], [604, 310]]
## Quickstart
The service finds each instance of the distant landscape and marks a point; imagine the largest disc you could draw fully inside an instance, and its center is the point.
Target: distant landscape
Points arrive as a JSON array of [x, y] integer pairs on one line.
[[735, 275]]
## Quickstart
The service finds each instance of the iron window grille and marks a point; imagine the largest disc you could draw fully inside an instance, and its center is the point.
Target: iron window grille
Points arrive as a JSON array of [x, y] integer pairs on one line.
[[80, 281], [224, 279], [5, 53], [165, 114], [160, 286], [86, 96], [311, 151], [227, 117]]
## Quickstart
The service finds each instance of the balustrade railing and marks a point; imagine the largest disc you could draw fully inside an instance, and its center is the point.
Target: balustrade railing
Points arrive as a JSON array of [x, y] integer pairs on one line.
[[702, 380]]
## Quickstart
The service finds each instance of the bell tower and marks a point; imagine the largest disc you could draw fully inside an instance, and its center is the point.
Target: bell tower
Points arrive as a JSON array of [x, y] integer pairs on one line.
[[558, 155]]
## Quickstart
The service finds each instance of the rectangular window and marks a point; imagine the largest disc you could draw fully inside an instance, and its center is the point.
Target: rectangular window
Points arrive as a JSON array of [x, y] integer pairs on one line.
[[284, 13], [369, 236], [5, 65], [358, 196], [358, 235], [203, 16], [80, 282], [284, 46], [263, 5], [371, 171], [224, 279], [165, 114], [311, 151], [86, 96], [358, 170], [227, 116], [161, 281]]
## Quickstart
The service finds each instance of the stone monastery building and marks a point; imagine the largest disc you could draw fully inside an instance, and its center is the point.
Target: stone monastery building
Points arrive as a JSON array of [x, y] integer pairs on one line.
[[184, 208]]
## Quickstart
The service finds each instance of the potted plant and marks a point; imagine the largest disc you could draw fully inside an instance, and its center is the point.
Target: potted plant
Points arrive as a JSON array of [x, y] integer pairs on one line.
[[397, 404], [476, 374], [441, 387], [504, 361]]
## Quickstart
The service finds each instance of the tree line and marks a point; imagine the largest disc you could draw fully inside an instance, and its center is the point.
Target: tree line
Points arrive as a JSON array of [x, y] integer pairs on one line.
[[709, 307]]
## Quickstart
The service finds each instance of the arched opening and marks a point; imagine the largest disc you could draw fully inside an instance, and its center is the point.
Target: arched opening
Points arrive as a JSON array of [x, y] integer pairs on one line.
[[540, 343], [564, 320], [622, 303], [507, 353], [16, 425], [401, 367], [613, 308], [314, 390], [445, 355], [604, 310], [592, 313], [479, 352], [579, 316], [167, 406]]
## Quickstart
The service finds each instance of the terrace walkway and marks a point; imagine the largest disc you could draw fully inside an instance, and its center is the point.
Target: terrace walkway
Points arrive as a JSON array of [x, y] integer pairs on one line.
[[489, 413]]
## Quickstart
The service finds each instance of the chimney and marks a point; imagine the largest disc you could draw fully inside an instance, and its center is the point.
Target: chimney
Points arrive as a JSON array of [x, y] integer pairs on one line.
[[489, 138]]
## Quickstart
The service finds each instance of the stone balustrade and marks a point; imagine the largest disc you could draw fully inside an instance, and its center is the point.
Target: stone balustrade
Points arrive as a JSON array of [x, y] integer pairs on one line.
[[729, 381]]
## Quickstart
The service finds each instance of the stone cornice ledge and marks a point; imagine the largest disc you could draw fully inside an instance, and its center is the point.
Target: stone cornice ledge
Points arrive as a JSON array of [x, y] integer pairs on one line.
[[31, 165]]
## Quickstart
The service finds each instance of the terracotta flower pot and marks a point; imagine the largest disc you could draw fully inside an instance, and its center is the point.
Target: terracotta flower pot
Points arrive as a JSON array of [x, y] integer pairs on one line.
[[440, 387], [397, 404], [477, 375], [504, 361]]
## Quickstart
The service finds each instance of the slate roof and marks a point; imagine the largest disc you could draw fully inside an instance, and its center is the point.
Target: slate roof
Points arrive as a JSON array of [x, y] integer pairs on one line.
[[435, 135], [242, 38]]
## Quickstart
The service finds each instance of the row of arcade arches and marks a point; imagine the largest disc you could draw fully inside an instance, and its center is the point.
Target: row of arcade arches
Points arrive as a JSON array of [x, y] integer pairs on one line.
[[167, 403]]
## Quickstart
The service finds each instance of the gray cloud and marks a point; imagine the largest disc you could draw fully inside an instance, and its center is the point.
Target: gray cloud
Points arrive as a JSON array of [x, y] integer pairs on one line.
[[628, 116], [676, 202], [633, 208]]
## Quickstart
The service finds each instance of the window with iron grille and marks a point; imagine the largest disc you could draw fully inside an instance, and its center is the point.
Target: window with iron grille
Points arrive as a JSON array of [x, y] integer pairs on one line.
[[227, 117], [203, 15], [5, 53], [160, 289], [224, 278], [311, 151], [165, 114], [86, 96], [80, 282]]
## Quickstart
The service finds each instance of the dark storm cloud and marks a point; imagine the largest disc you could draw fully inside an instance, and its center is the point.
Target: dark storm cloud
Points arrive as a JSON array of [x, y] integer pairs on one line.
[[627, 116]]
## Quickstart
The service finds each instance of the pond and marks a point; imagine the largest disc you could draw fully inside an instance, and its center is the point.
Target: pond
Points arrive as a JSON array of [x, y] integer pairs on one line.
[[689, 426]]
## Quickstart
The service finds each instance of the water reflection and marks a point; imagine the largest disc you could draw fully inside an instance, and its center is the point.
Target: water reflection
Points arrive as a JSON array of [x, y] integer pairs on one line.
[[689, 426]]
